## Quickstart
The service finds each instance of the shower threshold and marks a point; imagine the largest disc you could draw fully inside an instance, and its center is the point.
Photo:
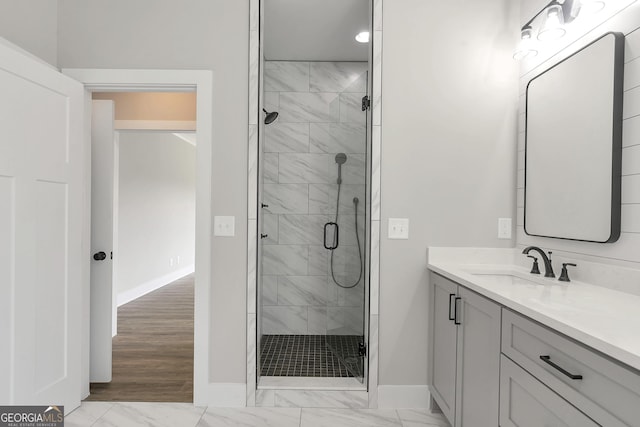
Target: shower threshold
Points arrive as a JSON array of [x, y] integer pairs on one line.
[[310, 383]]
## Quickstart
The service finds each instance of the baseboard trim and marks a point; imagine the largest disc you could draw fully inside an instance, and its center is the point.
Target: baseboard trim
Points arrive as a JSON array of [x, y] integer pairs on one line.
[[152, 285], [225, 395], [403, 396]]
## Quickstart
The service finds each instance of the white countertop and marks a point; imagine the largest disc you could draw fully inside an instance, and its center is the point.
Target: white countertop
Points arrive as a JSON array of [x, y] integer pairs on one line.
[[602, 318]]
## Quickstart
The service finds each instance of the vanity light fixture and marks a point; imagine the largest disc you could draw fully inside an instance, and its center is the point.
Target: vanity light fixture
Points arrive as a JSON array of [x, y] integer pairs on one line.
[[526, 47], [552, 28], [555, 15], [363, 37]]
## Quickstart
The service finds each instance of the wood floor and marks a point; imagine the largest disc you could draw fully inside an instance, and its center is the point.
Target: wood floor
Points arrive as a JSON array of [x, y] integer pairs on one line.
[[153, 351]]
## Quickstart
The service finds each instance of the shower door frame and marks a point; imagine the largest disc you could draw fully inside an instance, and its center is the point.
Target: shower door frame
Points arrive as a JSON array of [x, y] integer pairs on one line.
[[372, 249]]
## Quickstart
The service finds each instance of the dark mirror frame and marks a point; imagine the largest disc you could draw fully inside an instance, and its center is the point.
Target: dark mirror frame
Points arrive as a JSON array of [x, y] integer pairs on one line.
[[616, 138]]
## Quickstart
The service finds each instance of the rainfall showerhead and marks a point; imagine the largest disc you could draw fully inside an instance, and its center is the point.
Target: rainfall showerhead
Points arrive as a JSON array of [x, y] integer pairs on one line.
[[270, 117]]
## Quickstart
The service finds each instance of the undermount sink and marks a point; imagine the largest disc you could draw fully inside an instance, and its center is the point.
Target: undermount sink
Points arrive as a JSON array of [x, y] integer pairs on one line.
[[507, 277]]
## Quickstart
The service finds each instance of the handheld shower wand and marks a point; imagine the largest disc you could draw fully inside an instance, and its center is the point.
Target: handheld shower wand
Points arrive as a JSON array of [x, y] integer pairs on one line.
[[341, 159]]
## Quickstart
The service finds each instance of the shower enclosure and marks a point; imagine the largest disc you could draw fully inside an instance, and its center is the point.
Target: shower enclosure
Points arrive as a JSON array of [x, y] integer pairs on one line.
[[314, 213]]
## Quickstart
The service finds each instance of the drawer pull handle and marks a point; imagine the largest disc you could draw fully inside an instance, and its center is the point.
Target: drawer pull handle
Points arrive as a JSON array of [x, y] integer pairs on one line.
[[547, 360], [451, 316], [455, 311]]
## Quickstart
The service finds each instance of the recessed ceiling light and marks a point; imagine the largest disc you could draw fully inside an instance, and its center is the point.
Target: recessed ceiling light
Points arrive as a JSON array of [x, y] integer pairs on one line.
[[363, 37]]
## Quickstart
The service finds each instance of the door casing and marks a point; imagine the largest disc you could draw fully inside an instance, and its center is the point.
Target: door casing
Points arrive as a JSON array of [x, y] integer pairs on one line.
[[200, 81]]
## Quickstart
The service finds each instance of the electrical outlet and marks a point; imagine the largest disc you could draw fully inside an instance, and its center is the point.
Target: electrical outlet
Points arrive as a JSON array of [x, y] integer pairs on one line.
[[170, 262], [504, 228], [398, 228], [178, 259], [224, 226]]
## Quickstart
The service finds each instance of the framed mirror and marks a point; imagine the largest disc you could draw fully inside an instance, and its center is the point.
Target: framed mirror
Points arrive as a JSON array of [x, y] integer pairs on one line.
[[574, 144]]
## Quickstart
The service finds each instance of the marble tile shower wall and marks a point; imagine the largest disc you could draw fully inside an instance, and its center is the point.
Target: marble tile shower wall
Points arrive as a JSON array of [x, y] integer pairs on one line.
[[319, 105]]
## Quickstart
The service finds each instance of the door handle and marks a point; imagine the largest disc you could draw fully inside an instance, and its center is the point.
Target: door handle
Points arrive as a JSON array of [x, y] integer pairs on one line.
[[264, 236], [451, 316], [100, 256], [456, 311], [336, 238]]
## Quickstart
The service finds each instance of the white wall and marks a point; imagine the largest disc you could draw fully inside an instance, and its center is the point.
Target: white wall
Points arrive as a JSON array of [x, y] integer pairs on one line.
[[156, 210], [626, 251], [32, 25], [197, 34], [449, 99]]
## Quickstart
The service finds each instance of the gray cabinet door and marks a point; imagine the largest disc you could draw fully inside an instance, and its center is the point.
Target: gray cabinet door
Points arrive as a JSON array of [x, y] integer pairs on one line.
[[478, 370], [442, 351], [526, 402]]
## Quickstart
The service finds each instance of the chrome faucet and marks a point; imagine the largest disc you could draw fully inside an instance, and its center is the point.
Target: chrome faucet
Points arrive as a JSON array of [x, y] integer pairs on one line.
[[548, 268]]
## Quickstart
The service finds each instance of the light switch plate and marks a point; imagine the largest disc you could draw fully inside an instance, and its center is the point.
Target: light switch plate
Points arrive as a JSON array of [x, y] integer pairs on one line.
[[504, 228], [224, 226], [398, 228]]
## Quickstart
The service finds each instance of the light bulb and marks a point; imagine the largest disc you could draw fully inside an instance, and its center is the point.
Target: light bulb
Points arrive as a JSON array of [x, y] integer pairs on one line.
[[525, 48], [363, 37], [553, 24]]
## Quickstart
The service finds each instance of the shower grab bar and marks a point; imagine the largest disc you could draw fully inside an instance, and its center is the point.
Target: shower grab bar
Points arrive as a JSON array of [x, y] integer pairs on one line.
[[336, 234]]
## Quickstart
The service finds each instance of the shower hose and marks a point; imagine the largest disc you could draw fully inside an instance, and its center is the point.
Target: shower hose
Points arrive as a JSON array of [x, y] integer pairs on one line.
[[333, 276]]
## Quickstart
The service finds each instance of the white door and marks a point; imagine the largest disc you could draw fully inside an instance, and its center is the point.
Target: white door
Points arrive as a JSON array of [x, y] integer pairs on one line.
[[41, 231], [102, 202]]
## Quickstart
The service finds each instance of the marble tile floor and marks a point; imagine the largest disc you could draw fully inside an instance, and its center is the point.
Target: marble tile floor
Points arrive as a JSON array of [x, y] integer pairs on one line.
[[147, 414]]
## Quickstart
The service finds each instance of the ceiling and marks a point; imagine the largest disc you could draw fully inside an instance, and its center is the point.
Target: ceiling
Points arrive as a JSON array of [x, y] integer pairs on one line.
[[315, 30]]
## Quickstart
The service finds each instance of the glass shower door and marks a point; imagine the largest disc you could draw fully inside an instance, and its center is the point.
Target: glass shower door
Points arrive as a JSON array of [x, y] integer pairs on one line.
[[347, 241]]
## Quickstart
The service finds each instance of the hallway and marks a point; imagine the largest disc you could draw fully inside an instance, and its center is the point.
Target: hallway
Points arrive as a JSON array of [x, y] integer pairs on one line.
[[153, 351]]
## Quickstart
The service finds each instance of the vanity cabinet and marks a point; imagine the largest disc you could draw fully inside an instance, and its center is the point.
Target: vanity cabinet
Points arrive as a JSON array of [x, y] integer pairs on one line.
[[464, 353], [491, 366]]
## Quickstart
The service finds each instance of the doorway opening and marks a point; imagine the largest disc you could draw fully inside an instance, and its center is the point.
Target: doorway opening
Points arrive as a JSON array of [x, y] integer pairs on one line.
[[200, 82], [153, 239]]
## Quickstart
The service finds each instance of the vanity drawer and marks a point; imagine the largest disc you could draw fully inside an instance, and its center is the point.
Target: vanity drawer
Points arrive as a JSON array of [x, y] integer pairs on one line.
[[526, 402], [607, 392]]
